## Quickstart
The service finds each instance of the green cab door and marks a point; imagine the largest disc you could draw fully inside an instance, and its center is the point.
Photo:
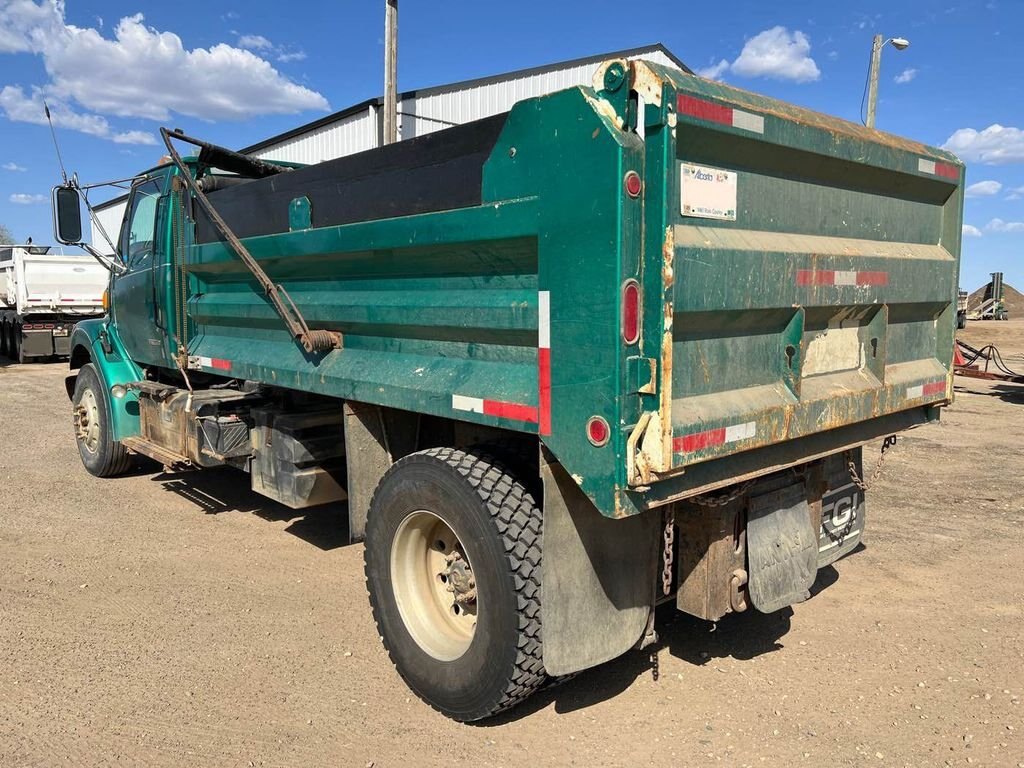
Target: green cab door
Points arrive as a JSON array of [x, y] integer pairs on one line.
[[135, 304]]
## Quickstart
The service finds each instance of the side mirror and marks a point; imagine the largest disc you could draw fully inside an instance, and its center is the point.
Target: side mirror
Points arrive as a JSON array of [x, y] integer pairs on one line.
[[67, 215]]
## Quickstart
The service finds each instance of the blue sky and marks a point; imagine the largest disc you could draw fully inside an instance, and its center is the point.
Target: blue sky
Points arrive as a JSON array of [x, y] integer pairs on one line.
[[237, 72]]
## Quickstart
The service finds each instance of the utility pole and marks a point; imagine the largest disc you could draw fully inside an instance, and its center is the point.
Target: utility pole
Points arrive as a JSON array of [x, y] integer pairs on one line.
[[390, 71], [876, 64]]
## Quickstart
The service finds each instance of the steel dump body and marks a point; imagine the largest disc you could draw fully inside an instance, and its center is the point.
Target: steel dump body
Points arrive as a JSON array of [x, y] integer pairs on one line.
[[797, 273]]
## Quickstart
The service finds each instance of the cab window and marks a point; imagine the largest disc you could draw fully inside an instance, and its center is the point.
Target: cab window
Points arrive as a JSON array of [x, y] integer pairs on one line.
[[140, 225]]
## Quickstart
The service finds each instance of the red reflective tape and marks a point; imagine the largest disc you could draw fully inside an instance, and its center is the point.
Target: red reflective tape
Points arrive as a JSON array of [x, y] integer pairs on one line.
[[513, 411], [841, 277], [704, 110], [544, 388], [220, 365], [815, 277], [872, 278], [948, 171], [68, 300], [935, 388], [698, 440]]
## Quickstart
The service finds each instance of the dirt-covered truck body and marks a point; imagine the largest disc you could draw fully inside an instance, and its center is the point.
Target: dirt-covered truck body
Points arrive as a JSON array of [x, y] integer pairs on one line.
[[43, 293], [618, 346]]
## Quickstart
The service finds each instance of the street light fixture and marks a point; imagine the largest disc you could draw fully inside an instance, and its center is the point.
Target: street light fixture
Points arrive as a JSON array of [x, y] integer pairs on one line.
[[900, 44]]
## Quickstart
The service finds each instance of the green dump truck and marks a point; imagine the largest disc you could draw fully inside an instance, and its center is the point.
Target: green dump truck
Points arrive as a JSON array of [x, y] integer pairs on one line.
[[617, 347]]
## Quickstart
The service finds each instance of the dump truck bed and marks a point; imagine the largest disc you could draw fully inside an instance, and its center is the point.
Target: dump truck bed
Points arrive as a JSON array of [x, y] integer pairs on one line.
[[797, 282]]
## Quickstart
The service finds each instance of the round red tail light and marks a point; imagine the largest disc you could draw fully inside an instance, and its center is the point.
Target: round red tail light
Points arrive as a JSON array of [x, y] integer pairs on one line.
[[598, 431], [631, 312], [634, 185]]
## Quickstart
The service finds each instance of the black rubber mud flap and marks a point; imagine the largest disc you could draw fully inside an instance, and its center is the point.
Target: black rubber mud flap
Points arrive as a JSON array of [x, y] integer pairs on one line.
[[842, 511], [782, 547]]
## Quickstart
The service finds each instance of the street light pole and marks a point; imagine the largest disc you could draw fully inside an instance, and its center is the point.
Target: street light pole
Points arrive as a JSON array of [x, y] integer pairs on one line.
[[390, 132], [877, 44], [876, 65]]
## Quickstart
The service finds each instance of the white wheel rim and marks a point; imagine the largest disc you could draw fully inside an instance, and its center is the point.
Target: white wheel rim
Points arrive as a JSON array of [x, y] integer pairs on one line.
[[434, 586], [87, 421]]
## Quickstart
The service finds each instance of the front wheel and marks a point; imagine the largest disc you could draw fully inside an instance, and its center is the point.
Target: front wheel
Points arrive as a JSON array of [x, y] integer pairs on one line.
[[101, 454], [453, 566]]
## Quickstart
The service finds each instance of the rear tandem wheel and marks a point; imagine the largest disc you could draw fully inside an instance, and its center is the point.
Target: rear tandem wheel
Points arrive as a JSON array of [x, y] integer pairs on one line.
[[453, 566]]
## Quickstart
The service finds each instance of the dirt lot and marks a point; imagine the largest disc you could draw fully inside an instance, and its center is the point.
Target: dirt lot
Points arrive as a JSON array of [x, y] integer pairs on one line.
[[182, 620]]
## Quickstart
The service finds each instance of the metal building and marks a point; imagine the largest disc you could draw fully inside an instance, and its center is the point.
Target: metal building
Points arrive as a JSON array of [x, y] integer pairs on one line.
[[360, 127]]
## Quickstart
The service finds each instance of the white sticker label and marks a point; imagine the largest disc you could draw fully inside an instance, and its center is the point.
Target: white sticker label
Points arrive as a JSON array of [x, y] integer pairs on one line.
[[709, 193]]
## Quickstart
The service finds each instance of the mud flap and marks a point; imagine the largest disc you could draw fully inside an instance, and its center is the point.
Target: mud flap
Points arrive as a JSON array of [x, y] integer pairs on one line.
[[598, 576], [782, 547], [842, 511]]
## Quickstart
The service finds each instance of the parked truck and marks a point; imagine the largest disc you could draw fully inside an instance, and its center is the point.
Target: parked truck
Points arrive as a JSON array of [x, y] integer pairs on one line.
[[43, 293], [620, 346]]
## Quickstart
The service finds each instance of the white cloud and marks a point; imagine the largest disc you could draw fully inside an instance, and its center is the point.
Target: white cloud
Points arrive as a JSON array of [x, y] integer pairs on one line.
[[776, 53], [714, 71], [779, 54], [13, 167], [24, 25], [995, 145], [145, 73], [1016, 193], [970, 230], [20, 198], [833, 55], [29, 109], [906, 75], [265, 46], [255, 43], [983, 189], [998, 225]]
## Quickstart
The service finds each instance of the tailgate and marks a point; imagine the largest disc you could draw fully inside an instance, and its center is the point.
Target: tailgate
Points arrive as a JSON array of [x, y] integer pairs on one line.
[[63, 282], [813, 276]]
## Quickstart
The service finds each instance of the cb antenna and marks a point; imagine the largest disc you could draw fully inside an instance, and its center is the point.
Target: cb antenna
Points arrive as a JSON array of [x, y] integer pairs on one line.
[[56, 146]]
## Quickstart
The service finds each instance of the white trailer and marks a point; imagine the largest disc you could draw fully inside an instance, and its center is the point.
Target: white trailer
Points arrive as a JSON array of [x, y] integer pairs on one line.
[[43, 293]]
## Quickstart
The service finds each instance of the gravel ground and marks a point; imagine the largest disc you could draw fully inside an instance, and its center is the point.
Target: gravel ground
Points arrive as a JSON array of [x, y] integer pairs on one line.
[[182, 620]]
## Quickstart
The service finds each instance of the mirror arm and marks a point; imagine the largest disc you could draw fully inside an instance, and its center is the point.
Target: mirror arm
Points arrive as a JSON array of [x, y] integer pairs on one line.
[[111, 265]]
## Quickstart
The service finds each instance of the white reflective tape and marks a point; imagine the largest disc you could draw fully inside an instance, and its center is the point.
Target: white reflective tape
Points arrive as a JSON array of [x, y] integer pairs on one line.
[[544, 319], [844, 278], [740, 432], [463, 403], [926, 166], [747, 121], [914, 392], [206, 362]]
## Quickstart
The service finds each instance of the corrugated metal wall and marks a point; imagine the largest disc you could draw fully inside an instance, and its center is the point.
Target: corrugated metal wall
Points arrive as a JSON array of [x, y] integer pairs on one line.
[[443, 104], [459, 103], [465, 104], [347, 136]]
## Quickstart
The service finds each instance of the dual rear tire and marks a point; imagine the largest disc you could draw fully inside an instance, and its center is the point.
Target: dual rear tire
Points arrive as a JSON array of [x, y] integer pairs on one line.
[[453, 568]]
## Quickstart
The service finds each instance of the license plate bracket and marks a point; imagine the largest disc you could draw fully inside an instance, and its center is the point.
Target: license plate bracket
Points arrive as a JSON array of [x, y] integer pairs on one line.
[[782, 548]]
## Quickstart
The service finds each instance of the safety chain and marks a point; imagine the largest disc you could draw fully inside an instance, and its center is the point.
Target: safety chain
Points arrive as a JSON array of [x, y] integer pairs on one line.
[[721, 501], [666, 554], [851, 465]]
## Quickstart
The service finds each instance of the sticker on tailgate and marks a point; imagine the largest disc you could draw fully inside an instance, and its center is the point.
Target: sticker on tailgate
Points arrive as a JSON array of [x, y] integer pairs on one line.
[[708, 193]]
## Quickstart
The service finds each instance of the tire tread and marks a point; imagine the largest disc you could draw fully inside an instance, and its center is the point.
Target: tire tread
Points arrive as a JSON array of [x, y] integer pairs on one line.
[[517, 519]]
